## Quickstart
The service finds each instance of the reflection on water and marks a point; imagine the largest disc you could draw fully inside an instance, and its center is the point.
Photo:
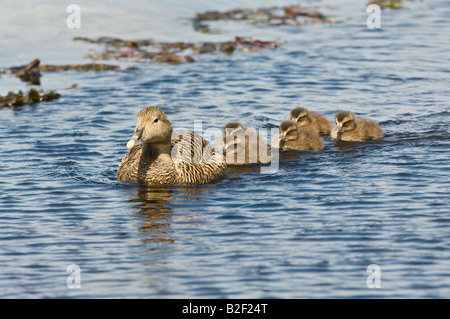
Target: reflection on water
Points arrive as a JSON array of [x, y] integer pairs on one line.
[[153, 203], [244, 169], [346, 146], [153, 199]]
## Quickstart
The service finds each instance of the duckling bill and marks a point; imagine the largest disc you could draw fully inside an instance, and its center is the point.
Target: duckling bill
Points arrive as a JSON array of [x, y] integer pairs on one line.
[[157, 156]]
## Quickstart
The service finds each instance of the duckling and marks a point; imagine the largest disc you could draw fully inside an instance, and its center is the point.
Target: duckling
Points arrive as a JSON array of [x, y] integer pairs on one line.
[[157, 156], [349, 128], [293, 137], [242, 146], [311, 120]]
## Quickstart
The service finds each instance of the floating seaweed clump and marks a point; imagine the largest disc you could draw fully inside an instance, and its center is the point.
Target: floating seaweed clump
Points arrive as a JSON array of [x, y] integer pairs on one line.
[[33, 96], [31, 72], [28, 73], [116, 42], [80, 67], [254, 45], [172, 53], [388, 4], [275, 16]]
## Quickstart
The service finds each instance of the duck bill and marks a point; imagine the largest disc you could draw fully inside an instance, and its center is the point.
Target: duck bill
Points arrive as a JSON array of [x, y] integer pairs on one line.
[[338, 129], [281, 137], [136, 139]]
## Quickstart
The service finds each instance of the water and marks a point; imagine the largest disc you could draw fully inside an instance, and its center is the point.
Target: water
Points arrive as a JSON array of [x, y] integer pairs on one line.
[[310, 230]]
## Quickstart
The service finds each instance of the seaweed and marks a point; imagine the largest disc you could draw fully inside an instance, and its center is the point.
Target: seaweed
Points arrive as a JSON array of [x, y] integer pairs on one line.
[[28, 73], [388, 4], [254, 45], [79, 67], [293, 15], [170, 52], [31, 72], [33, 96], [116, 42]]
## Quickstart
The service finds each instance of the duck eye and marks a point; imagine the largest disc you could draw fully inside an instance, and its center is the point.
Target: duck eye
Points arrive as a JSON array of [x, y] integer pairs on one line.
[[156, 120]]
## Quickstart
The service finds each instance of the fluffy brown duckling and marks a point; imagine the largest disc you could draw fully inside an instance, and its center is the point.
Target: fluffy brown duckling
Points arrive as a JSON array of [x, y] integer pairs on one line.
[[157, 156], [311, 120], [349, 128], [293, 137], [242, 146]]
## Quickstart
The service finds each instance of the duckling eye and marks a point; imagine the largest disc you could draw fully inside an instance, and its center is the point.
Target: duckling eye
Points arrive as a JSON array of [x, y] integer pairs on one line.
[[345, 124], [290, 132], [156, 120]]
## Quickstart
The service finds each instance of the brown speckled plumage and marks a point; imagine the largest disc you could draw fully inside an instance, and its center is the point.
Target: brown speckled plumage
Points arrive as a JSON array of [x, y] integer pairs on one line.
[[349, 128], [166, 158], [311, 120]]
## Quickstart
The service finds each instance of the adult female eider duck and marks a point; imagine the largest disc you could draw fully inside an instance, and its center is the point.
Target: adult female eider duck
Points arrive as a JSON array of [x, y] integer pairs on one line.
[[311, 120], [293, 137], [349, 128], [157, 156]]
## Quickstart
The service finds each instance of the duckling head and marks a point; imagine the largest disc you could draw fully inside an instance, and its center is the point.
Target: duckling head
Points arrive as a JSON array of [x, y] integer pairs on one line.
[[232, 127], [301, 116], [288, 131], [345, 121], [234, 136], [152, 127]]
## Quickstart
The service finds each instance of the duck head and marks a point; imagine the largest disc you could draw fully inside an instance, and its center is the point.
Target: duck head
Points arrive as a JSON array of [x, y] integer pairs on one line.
[[153, 127]]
